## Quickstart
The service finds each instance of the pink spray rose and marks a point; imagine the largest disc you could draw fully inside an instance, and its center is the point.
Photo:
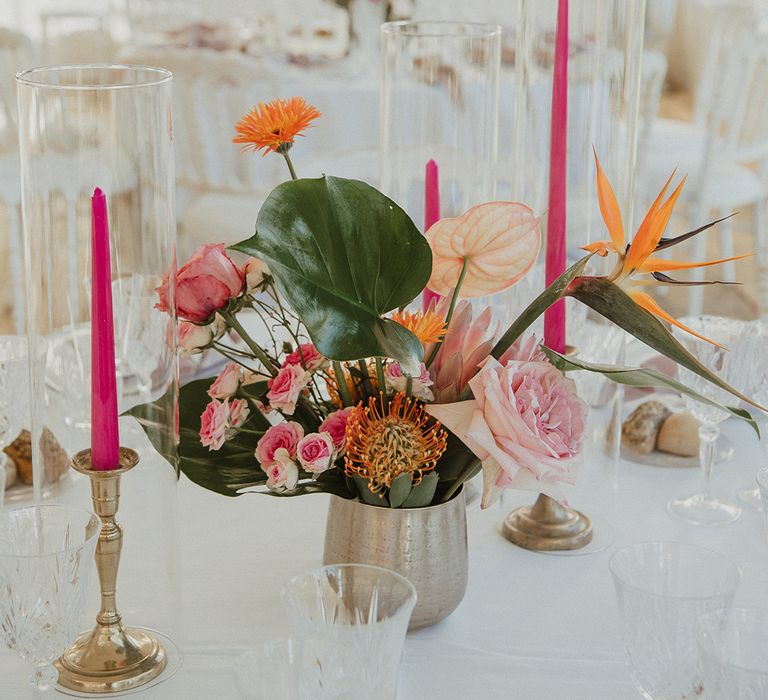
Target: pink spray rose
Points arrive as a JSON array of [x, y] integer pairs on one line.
[[204, 285], [526, 423], [313, 360], [227, 383], [238, 412], [336, 426], [397, 381], [316, 452], [255, 272], [282, 435], [286, 387], [193, 338], [213, 425], [283, 475]]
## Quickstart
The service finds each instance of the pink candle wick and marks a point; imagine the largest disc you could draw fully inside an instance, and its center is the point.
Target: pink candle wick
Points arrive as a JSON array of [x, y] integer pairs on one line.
[[105, 439], [431, 214], [554, 317]]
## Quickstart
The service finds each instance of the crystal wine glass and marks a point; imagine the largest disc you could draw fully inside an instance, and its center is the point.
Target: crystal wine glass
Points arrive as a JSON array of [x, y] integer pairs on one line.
[[14, 403], [349, 623], [663, 589], [728, 362], [46, 557]]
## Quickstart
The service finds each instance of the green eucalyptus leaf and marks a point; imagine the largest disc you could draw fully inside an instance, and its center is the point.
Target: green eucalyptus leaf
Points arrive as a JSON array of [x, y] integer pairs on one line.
[[610, 301], [422, 494], [642, 377], [399, 490], [342, 255], [366, 495]]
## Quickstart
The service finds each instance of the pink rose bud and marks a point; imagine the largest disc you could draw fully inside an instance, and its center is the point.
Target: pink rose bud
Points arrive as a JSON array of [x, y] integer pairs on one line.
[[307, 356], [283, 475], [227, 383], [286, 386], [315, 452], [282, 435], [193, 339], [204, 285], [238, 412], [213, 425], [336, 426], [255, 273]]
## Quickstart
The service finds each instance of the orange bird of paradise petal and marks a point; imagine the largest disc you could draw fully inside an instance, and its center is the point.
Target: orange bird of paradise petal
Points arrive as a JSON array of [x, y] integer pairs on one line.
[[274, 125]]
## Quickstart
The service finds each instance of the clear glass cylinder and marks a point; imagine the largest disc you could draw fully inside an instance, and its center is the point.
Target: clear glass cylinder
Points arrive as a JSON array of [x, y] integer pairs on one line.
[[107, 127], [439, 101]]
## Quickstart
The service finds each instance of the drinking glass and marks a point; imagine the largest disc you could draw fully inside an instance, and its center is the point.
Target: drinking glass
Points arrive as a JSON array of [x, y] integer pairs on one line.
[[46, 557], [663, 589], [733, 644], [269, 671], [730, 363], [14, 396], [349, 623], [762, 485]]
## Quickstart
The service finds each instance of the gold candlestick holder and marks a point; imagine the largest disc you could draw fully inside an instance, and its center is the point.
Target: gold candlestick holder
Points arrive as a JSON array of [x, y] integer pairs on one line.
[[547, 526], [110, 658]]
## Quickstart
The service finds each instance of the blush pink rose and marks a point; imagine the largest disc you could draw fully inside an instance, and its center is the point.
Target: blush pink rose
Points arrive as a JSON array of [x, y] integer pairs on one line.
[[397, 381], [336, 426], [313, 360], [227, 383], [282, 435], [315, 452], [213, 425], [528, 350], [283, 475], [526, 423], [193, 339], [238, 412], [204, 285], [286, 387]]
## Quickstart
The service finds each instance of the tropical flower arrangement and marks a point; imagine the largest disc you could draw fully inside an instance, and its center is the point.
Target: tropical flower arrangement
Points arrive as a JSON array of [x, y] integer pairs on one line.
[[337, 381]]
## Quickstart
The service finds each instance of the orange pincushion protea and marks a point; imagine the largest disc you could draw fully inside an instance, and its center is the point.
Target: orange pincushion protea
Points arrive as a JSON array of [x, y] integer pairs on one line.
[[273, 126], [384, 440], [428, 326]]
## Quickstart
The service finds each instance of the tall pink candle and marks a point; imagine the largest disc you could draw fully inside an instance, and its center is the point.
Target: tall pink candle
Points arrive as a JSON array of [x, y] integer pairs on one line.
[[431, 212], [554, 317], [105, 440]]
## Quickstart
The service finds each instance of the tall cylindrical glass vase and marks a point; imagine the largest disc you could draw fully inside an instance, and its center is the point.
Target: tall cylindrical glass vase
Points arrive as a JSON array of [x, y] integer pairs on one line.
[[83, 128]]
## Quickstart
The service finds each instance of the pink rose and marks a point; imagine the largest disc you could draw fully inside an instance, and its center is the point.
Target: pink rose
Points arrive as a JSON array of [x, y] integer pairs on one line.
[[238, 412], [283, 475], [286, 386], [204, 285], [255, 272], [227, 383], [282, 435], [315, 452], [336, 426], [193, 339], [397, 381], [312, 359], [526, 423], [213, 425]]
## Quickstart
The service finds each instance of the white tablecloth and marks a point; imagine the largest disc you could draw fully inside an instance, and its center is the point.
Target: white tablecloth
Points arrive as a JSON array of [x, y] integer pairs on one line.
[[531, 627]]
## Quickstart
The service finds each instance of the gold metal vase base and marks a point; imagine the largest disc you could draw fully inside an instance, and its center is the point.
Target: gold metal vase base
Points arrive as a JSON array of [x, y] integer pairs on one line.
[[111, 658], [547, 526]]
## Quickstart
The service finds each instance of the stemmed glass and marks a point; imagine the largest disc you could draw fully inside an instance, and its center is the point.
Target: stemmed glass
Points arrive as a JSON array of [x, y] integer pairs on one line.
[[727, 362], [46, 557]]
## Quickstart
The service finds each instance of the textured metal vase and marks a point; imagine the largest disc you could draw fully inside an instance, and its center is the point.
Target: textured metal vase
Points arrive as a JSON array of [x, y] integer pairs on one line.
[[426, 545]]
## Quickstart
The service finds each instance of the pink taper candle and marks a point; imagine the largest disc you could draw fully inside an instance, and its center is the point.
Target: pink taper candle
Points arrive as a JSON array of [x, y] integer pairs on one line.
[[105, 441], [431, 212], [554, 317]]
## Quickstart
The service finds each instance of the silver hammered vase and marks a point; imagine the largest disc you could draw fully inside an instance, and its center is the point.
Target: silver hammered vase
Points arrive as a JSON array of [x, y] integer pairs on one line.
[[426, 545]]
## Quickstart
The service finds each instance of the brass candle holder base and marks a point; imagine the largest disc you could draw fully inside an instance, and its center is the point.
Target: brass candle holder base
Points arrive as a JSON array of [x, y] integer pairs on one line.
[[547, 526], [111, 658]]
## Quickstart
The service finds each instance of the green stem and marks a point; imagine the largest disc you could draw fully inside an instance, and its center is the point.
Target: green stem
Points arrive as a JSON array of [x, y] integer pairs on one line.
[[341, 383], [451, 308], [408, 385], [380, 376], [467, 473], [289, 163], [254, 348], [365, 379]]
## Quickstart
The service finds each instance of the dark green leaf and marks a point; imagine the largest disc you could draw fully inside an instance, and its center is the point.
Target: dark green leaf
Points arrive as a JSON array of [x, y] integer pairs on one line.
[[422, 494], [401, 487], [157, 420], [643, 377], [342, 255], [610, 301]]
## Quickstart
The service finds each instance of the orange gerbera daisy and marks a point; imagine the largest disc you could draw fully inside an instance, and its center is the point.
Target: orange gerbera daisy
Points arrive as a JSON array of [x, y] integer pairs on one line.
[[273, 126], [428, 326], [387, 439], [636, 258]]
